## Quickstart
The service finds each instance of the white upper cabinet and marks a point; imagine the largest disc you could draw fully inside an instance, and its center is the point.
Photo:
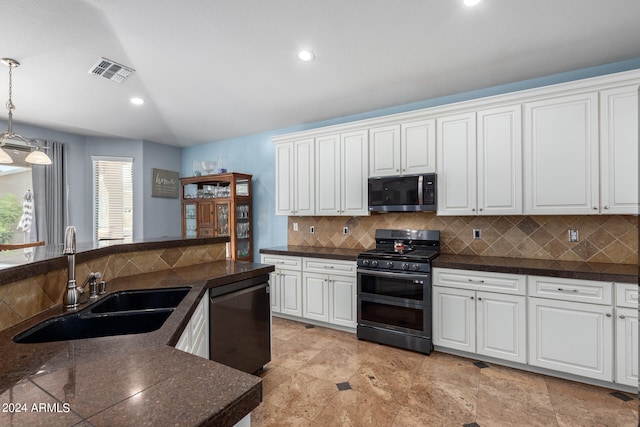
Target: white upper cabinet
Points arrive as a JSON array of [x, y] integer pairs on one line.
[[341, 174], [295, 178], [499, 165], [561, 155], [408, 148], [479, 163], [384, 151], [457, 164], [619, 150]]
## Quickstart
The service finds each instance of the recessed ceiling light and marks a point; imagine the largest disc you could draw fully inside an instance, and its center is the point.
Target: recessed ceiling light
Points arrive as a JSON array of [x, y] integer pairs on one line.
[[470, 3], [137, 101], [306, 55]]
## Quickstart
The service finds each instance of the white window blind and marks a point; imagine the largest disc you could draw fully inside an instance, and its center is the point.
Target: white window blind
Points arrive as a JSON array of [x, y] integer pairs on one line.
[[112, 198]]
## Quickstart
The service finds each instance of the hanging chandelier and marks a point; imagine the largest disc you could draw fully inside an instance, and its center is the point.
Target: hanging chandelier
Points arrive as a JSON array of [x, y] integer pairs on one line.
[[10, 138]]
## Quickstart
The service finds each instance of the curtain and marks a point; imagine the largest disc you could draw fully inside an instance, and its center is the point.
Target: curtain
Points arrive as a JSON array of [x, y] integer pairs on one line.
[[50, 195]]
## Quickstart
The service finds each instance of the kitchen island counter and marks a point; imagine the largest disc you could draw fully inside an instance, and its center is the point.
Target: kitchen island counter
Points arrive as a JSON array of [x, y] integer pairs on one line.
[[124, 380]]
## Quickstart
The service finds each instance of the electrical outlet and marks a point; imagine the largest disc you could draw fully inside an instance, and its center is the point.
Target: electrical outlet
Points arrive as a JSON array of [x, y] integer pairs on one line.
[[477, 233], [312, 229], [345, 231], [295, 226], [573, 236]]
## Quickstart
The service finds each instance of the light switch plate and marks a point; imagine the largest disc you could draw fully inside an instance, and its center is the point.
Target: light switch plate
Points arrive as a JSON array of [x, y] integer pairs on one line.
[[573, 236], [295, 226], [477, 233], [312, 229]]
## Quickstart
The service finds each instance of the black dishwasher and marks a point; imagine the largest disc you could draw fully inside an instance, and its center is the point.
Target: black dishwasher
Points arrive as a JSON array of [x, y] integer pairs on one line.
[[240, 324]]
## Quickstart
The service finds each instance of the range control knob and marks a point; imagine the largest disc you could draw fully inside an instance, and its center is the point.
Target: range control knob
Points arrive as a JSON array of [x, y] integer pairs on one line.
[[405, 266], [365, 262], [374, 263], [415, 267], [389, 264]]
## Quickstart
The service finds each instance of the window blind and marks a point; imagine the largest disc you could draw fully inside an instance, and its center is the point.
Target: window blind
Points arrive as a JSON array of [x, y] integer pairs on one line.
[[112, 198]]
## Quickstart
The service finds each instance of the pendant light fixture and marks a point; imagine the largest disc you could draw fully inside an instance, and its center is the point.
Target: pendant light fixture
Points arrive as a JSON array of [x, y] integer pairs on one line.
[[36, 156]]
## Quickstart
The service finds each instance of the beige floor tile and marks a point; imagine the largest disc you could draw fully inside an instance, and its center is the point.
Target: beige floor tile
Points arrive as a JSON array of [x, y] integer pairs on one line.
[[399, 388]]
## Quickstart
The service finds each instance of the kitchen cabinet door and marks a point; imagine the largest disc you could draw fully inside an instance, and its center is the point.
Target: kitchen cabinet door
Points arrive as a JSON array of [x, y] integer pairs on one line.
[[418, 147], [342, 301], [454, 315], [457, 164], [291, 293], [571, 337], [315, 301], [499, 161], [627, 346], [355, 163], [501, 326], [195, 337], [328, 175], [384, 151], [619, 150], [285, 178], [205, 214], [561, 155], [274, 290]]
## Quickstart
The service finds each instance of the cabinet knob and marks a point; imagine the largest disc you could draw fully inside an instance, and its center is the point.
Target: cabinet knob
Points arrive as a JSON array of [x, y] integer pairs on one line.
[[608, 315], [479, 298], [595, 208], [473, 209], [622, 316], [471, 297], [606, 206], [480, 209]]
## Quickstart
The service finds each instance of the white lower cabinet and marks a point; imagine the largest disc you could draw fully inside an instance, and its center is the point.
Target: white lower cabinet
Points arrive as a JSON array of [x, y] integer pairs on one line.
[[318, 289], [485, 323], [329, 290], [571, 337], [285, 284], [626, 334], [469, 319], [195, 337]]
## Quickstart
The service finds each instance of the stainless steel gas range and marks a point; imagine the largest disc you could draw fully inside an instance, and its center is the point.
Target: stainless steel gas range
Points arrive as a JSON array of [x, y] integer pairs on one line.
[[394, 289]]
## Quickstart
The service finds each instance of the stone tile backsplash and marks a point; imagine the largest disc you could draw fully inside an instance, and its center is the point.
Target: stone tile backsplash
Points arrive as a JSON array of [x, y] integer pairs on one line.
[[603, 238], [25, 298]]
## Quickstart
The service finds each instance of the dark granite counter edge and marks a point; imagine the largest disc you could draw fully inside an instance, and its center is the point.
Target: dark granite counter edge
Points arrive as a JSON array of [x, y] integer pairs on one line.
[[58, 262], [314, 252]]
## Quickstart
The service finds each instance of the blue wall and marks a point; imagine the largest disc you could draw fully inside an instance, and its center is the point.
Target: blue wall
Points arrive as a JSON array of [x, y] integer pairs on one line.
[[255, 154]]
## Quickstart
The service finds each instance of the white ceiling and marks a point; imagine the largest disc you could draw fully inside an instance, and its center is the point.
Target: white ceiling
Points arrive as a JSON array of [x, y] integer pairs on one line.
[[216, 69]]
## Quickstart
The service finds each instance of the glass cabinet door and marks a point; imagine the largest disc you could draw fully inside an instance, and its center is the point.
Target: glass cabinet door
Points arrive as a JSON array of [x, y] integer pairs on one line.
[[222, 218], [190, 221], [243, 223]]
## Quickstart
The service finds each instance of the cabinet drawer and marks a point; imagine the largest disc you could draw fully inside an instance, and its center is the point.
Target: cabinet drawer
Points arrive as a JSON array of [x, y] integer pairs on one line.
[[206, 232], [283, 262], [329, 266], [571, 289], [626, 295], [480, 281]]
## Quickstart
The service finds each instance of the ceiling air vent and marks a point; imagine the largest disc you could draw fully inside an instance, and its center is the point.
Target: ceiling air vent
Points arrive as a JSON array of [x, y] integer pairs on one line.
[[111, 70]]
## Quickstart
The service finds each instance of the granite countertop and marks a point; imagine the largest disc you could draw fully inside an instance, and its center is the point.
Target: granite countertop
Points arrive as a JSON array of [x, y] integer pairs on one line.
[[624, 273], [314, 251], [129, 379]]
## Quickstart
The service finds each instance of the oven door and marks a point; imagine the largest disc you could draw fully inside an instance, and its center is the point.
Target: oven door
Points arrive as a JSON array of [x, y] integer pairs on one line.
[[399, 302]]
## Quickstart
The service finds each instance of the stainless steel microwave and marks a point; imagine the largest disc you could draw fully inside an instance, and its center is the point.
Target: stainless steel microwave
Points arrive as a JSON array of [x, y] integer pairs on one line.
[[408, 193]]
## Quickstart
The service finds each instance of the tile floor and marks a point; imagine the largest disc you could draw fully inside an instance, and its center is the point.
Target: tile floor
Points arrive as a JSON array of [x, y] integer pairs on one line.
[[323, 377]]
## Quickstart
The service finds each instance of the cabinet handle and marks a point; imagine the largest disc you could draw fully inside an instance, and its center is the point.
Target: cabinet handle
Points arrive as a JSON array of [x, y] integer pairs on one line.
[[568, 290], [608, 315], [475, 281], [329, 266], [622, 316]]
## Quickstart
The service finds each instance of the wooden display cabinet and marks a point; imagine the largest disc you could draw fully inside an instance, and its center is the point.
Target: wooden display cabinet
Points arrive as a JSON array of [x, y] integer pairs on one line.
[[219, 205]]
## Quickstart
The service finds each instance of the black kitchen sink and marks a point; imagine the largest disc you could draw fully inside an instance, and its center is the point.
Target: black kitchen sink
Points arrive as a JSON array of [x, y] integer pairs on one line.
[[80, 325], [121, 313], [147, 299]]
